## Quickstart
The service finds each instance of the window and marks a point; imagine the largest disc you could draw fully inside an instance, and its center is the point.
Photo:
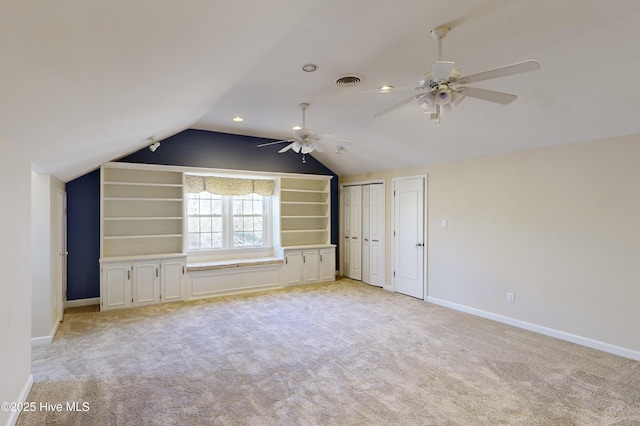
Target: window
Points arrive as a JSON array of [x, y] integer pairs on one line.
[[226, 221]]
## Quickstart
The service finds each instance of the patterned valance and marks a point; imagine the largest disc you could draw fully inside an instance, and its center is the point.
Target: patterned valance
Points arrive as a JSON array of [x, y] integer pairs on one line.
[[228, 186]]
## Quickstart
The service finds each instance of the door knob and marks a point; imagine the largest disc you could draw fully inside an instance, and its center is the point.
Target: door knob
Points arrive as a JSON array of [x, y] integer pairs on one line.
[[419, 245]]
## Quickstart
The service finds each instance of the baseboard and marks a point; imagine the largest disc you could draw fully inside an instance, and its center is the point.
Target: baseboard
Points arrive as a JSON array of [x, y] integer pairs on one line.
[[46, 340], [13, 417], [580, 340], [82, 302]]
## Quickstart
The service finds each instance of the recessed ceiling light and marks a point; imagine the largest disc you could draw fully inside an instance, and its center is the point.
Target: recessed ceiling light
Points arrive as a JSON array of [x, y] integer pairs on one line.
[[296, 128], [309, 67], [237, 118], [385, 89]]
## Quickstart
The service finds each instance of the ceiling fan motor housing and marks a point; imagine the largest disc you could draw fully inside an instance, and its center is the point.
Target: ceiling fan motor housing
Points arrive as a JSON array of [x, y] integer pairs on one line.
[[303, 133]]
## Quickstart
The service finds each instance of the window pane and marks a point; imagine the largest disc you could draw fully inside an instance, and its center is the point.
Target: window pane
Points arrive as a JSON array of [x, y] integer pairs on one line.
[[216, 224], [194, 241], [193, 224], [257, 223], [205, 206], [247, 207], [216, 240], [216, 206], [192, 205], [205, 224], [237, 224], [237, 205]]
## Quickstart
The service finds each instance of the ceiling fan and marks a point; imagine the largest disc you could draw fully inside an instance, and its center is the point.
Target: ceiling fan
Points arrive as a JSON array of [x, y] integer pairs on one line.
[[443, 88], [306, 140]]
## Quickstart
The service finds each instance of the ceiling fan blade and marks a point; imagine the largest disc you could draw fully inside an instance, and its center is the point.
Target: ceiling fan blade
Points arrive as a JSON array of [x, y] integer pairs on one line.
[[392, 89], [330, 137], [325, 135], [296, 146], [399, 104], [286, 148], [488, 95], [517, 68], [441, 70], [271, 143]]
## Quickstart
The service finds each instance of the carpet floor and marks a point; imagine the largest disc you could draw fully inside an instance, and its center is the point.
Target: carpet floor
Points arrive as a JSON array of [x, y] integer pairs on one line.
[[342, 353]]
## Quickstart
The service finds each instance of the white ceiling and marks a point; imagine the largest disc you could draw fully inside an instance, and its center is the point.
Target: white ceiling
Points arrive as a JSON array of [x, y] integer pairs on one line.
[[82, 83]]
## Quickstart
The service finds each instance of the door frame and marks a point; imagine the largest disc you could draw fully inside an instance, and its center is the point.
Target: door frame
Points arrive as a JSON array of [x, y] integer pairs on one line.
[[425, 233], [61, 235]]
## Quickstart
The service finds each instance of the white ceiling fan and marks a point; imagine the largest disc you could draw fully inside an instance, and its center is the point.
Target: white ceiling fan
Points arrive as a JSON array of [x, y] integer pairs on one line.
[[306, 140], [443, 88]]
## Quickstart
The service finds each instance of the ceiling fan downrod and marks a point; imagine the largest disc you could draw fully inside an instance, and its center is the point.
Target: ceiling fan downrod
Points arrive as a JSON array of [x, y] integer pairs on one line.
[[439, 33]]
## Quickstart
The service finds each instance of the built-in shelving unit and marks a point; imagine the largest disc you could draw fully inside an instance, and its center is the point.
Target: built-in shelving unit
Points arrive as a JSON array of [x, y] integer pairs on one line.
[[141, 211], [305, 211]]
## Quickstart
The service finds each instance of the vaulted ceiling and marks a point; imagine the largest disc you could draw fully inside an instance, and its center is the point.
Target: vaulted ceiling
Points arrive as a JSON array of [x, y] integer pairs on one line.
[[82, 83]]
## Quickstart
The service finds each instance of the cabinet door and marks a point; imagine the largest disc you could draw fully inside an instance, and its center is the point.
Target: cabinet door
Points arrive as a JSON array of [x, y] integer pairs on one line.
[[327, 268], [171, 279], [115, 286], [310, 266], [293, 267], [146, 283]]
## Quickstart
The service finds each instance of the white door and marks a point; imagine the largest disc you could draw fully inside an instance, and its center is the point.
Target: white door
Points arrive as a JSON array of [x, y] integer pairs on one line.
[[293, 267], [116, 284], [327, 269], [171, 273], [355, 233], [310, 266], [61, 284], [366, 252], [408, 232], [346, 222], [146, 283], [376, 232]]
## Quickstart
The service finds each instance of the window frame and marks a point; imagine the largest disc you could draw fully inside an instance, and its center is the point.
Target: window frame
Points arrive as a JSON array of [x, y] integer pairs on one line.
[[227, 228]]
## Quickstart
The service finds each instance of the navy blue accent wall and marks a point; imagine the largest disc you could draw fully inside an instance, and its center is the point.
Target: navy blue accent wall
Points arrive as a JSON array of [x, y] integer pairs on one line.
[[194, 148], [83, 236]]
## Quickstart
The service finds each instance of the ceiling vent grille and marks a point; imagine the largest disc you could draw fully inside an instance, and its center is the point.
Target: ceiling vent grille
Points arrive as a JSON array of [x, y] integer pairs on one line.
[[349, 80]]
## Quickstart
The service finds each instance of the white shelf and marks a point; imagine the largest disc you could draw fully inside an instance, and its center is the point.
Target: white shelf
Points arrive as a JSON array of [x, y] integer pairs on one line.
[[168, 185], [145, 218], [128, 199], [295, 231], [305, 211], [141, 211], [129, 237]]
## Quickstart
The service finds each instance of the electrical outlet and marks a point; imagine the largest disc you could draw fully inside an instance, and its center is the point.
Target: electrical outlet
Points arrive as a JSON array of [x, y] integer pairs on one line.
[[511, 298]]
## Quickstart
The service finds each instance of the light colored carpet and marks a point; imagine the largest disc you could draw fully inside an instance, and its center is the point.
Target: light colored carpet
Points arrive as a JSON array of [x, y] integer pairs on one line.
[[337, 354]]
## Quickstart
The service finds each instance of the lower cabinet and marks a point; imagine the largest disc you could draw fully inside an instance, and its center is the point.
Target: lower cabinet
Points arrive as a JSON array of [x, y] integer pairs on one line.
[[141, 282], [312, 265]]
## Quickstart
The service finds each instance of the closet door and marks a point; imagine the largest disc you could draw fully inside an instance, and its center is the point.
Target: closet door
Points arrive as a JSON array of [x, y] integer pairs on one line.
[[355, 233], [346, 222], [366, 243], [376, 233]]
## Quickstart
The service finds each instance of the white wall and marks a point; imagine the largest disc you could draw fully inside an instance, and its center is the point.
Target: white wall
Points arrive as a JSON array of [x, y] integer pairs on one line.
[[45, 243], [15, 285], [558, 226]]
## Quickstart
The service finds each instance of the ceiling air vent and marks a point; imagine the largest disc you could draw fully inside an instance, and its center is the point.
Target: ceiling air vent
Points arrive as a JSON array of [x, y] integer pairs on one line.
[[349, 80]]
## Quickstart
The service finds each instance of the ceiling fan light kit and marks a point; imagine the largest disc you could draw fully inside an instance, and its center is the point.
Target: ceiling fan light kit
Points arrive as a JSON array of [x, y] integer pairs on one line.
[[441, 87]]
